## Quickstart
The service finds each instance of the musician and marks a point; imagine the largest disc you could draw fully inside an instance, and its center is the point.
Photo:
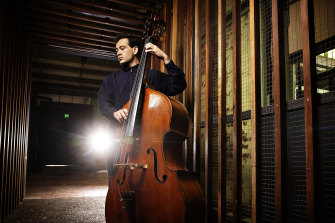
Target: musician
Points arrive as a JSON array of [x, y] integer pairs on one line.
[[115, 90]]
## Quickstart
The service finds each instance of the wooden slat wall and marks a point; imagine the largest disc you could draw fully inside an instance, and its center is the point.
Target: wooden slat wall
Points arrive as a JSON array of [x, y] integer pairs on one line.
[[237, 111], [209, 110], [221, 110], [14, 68], [279, 108], [255, 77], [310, 96]]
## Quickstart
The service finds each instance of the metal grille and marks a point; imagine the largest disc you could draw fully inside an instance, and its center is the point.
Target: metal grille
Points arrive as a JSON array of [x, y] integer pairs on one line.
[[203, 89], [325, 70], [246, 169], [267, 130], [229, 169], [325, 45], [296, 166], [229, 110], [327, 161], [215, 107], [296, 151], [268, 169], [293, 44], [245, 59], [266, 52], [246, 106]]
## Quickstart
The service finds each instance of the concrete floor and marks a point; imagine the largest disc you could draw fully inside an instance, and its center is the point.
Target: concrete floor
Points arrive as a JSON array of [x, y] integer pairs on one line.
[[63, 194]]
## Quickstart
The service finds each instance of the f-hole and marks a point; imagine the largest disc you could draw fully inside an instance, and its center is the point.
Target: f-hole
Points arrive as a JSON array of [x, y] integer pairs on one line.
[[164, 177]]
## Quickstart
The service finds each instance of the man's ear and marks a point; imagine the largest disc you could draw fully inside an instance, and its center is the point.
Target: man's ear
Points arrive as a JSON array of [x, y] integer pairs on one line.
[[135, 50]]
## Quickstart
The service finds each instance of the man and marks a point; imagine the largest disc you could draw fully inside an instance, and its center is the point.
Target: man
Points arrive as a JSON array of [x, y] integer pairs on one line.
[[115, 90]]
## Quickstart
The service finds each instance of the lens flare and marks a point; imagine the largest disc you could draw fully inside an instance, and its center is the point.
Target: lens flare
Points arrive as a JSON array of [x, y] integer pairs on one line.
[[101, 140]]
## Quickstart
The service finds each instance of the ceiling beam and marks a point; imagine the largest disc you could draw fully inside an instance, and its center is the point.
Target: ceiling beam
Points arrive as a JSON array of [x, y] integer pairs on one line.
[[135, 5], [75, 48], [87, 66], [105, 31], [94, 13], [71, 40], [108, 7], [44, 87], [68, 28], [84, 18], [78, 80], [54, 31], [76, 70]]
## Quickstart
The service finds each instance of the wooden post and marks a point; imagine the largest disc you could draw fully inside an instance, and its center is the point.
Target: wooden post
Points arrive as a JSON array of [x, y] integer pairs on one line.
[[197, 89], [310, 97], [209, 111], [237, 111], [255, 110], [180, 41], [188, 73], [167, 36], [174, 35], [221, 110], [279, 108]]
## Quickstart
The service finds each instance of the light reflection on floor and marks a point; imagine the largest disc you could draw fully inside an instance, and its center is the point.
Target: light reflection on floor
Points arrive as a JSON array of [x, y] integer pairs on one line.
[[66, 181]]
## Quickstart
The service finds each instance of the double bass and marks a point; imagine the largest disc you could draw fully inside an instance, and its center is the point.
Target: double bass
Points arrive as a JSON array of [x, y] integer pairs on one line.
[[148, 179]]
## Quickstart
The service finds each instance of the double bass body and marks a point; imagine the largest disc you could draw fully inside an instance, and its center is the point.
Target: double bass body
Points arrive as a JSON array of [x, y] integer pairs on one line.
[[162, 190]]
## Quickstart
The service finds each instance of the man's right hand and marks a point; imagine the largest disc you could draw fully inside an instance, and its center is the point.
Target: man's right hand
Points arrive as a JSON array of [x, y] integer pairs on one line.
[[121, 115]]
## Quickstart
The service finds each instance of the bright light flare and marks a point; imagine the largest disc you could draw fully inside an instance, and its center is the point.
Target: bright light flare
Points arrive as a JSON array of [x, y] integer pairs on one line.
[[101, 140]]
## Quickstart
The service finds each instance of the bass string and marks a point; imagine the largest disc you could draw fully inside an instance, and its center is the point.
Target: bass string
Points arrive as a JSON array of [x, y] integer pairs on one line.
[[133, 91], [125, 187]]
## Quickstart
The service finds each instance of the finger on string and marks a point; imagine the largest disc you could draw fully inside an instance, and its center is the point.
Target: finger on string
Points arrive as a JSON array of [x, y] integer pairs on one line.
[[124, 115]]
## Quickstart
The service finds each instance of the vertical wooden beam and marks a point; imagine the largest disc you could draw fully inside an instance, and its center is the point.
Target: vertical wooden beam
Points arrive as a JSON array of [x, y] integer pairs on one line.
[[167, 38], [180, 41], [310, 97], [188, 72], [164, 36], [221, 110], [209, 111], [279, 108], [197, 87], [181, 27], [237, 111], [174, 35], [255, 110]]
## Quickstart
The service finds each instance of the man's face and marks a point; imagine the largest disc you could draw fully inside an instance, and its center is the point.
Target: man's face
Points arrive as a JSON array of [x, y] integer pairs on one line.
[[125, 53]]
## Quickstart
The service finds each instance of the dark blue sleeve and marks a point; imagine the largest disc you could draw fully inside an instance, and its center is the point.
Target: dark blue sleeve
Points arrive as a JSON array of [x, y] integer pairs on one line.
[[169, 84], [106, 99]]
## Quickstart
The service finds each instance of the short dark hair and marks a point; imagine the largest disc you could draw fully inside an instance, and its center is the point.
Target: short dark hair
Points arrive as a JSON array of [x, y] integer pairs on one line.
[[133, 41]]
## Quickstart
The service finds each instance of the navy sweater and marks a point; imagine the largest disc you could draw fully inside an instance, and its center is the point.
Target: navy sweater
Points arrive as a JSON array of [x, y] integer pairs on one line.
[[115, 90]]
